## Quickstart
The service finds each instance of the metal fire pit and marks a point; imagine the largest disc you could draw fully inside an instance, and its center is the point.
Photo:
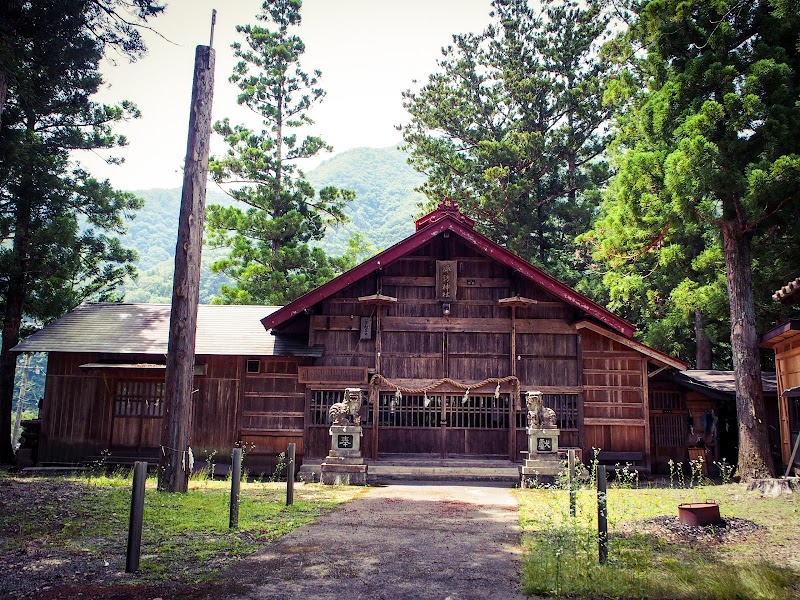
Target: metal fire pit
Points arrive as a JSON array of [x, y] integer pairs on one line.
[[699, 513]]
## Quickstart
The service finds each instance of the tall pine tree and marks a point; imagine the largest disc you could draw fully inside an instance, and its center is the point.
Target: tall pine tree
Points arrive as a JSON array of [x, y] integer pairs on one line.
[[272, 255], [513, 127], [711, 147], [54, 217]]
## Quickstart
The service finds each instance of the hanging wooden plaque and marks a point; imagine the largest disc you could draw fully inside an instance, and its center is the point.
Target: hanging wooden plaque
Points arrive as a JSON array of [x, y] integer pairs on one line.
[[446, 278], [366, 328]]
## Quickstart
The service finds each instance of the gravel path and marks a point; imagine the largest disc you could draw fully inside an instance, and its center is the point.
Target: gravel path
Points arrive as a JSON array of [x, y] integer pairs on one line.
[[403, 541]]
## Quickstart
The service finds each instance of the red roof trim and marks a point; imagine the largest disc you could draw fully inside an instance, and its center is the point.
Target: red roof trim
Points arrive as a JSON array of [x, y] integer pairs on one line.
[[478, 241]]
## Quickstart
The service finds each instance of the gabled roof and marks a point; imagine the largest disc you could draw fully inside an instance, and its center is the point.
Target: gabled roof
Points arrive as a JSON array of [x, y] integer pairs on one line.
[[119, 328], [448, 218]]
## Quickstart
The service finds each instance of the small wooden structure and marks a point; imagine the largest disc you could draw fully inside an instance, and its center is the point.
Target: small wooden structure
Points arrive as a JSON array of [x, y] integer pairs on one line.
[[445, 331], [693, 414], [784, 339]]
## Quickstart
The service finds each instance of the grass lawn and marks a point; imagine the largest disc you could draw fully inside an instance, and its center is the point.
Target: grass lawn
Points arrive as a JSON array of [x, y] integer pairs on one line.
[[647, 559], [73, 531]]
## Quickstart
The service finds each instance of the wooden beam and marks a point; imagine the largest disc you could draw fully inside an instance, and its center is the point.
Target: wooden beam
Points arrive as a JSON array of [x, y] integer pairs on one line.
[[646, 403], [615, 422], [438, 324]]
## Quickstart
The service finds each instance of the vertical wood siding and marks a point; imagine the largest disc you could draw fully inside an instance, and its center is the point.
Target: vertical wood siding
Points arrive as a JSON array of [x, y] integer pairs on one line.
[[615, 413]]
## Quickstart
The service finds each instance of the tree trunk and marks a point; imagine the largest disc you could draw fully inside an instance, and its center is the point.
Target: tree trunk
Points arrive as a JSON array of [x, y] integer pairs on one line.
[[702, 342], [12, 319], [173, 474], [755, 459]]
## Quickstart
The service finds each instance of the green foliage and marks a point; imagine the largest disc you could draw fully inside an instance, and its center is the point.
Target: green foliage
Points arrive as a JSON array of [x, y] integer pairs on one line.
[[512, 127], [386, 203], [381, 215], [272, 256], [59, 224], [561, 551], [707, 149]]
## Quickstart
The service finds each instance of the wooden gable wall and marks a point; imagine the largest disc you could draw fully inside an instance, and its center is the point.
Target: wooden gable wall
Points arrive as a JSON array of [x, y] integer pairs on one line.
[[472, 343]]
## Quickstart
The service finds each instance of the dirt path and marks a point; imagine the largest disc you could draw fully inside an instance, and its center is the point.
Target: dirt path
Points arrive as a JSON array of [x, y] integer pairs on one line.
[[401, 541]]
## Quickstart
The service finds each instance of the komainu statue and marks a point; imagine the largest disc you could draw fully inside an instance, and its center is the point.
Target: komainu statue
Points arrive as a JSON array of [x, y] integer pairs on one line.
[[346, 411], [539, 416]]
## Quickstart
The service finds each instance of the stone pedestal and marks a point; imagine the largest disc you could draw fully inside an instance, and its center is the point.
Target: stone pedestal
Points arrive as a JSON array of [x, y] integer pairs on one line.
[[344, 464], [543, 460]]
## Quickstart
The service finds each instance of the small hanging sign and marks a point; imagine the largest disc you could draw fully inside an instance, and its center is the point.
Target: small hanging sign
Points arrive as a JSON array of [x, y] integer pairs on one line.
[[446, 278], [366, 328]]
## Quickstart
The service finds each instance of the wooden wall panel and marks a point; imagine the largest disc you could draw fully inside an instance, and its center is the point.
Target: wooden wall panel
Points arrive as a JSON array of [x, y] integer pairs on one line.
[[75, 418], [540, 372], [614, 394], [398, 367], [403, 440], [272, 410]]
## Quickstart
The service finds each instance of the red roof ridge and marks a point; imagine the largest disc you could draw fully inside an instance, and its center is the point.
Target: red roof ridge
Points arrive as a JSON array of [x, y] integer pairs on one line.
[[446, 207]]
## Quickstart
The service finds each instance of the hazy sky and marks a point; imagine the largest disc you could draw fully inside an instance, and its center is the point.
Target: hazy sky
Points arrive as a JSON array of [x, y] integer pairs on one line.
[[369, 51]]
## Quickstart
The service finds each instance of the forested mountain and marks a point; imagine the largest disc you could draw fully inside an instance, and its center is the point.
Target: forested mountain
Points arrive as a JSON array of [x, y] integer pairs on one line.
[[383, 212], [385, 203]]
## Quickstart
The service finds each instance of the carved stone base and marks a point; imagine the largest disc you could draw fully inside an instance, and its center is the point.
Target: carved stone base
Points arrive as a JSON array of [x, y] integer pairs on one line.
[[542, 441], [344, 465], [543, 461]]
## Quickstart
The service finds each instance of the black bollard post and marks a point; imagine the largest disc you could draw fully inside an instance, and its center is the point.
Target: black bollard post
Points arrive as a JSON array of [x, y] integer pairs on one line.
[[573, 492], [236, 478], [602, 515], [290, 474], [137, 516]]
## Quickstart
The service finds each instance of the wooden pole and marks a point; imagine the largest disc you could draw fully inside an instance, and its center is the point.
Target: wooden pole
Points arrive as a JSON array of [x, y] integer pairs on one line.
[[21, 400], [572, 489], [602, 515], [173, 474], [790, 464], [236, 479], [290, 452], [136, 517]]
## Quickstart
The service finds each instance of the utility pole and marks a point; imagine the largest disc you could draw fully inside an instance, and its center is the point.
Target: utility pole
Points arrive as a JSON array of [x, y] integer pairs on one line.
[[173, 472]]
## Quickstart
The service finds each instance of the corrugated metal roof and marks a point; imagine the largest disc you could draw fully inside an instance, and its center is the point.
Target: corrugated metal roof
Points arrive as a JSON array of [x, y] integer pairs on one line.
[[725, 381], [144, 329]]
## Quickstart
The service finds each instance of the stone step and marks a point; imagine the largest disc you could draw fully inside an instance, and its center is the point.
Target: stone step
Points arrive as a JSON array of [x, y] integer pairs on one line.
[[423, 469]]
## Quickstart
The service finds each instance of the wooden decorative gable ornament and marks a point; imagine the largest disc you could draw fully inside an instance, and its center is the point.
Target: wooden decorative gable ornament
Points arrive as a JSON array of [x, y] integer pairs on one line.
[[447, 218]]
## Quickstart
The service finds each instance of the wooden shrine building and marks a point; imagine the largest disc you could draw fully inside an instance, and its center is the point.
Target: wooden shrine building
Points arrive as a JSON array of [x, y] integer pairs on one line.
[[784, 339], [443, 332]]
